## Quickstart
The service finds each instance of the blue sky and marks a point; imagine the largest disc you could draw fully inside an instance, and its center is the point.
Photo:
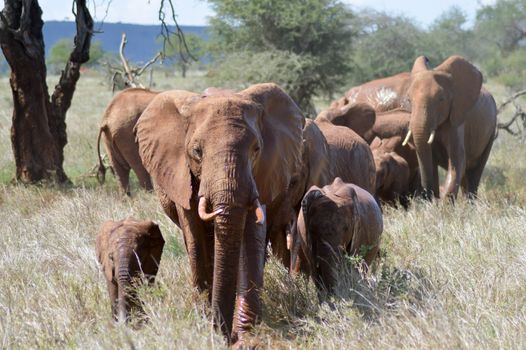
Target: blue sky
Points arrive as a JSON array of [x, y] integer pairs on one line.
[[195, 12]]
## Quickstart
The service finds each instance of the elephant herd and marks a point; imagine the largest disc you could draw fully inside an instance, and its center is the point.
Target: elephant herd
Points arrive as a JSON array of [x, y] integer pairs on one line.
[[244, 173]]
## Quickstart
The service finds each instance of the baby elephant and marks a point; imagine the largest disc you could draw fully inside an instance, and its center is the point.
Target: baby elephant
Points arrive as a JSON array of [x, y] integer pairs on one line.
[[336, 219], [392, 178], [126, 249]]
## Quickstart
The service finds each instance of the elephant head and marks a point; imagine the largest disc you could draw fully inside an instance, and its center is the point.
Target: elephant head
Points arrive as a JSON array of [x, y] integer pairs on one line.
[[359, 117], [319, 233], [440, 99], [128, 249], [225, 155]]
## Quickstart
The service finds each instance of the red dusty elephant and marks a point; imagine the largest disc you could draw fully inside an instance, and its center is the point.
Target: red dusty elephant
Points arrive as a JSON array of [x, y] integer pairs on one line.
[[128, 249], [329, 151], [217, 161], [335, 219], [393, 182], [453, 119], [116, 130]]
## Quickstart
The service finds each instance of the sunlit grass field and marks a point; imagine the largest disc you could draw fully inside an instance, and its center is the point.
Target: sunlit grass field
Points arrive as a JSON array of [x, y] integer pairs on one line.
[[449, 276]]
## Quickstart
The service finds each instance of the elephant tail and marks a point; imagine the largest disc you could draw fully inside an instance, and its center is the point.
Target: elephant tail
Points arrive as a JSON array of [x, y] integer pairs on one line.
[[101, 171]]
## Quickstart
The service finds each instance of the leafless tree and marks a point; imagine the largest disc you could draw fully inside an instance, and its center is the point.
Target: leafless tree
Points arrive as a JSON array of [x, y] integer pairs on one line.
[[127, 75], [38, 132], [516, 126]]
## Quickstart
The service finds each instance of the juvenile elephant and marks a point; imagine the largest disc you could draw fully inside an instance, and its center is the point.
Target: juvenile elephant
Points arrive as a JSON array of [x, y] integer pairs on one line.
[[336, 219], [453, 119], [392, 177], [117, 125], [217, 161], [128, 249], [329, 151]]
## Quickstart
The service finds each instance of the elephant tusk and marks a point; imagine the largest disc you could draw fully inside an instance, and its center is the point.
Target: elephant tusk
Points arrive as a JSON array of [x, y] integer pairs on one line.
[[431, 137], [260, 212], [289, 241], [406, 140], [201, 210]]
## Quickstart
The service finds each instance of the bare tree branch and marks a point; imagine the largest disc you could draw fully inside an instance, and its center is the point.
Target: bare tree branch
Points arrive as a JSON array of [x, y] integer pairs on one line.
[[184, 52], [127, 70], [128, 73], [510, 100], [149, 63], [518, 117]]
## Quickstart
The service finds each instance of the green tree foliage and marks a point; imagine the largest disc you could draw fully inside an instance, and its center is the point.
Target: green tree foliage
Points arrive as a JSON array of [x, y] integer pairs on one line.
[[303, 45], [386, 45], [500, 31], [448, 35], [503, 25], [196, 48], [59, 53]]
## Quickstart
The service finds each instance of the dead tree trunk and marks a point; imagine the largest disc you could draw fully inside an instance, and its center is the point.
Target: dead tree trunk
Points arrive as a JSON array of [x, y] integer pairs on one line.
[[38, 132]]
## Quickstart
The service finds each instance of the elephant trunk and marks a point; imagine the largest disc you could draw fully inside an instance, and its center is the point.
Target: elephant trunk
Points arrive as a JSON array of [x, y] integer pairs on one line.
[[124, 283], [229, 228], [423, 132], [233, 197]]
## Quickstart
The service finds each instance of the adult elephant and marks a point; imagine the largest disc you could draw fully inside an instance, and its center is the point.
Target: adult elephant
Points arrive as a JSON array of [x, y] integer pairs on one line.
[[217, 159], [116, 130], [453, 120]]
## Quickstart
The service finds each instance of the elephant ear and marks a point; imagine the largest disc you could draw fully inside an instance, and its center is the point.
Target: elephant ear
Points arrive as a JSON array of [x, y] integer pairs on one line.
[[156, 245], [359, 117], [467, 82], [421, 64], [155, 235], [160, 133], [307, 240], [281, 130]]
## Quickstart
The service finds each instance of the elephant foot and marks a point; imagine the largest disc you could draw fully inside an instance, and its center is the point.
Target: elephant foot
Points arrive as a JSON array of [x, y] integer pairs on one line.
[[247, 316], [247, 344]]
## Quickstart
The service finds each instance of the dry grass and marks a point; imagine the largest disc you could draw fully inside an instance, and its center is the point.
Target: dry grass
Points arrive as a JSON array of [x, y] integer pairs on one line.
[[450, 276]]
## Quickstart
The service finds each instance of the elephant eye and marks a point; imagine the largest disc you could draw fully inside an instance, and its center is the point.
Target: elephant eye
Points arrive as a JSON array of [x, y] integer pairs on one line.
[[197, 153]]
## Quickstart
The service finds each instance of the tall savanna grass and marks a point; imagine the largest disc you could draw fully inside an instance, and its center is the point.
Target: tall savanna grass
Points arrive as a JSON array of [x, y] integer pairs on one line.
[[448, 277]]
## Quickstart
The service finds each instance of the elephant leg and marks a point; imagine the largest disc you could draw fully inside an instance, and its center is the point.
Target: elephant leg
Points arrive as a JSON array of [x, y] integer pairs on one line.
[[122, 170], [113, 293], [472, 178], [250, 278], [456, 162], [168, 206], [278, 242], [119, 164], [199, 242], [142, 175]]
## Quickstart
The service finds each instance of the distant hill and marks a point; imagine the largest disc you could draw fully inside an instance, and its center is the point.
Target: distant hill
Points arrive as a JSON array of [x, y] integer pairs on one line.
[[141, 46]]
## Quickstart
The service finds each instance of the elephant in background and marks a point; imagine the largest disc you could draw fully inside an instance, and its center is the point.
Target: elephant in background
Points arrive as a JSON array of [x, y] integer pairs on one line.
[[128, 249], [453, 120], [218, 161], [350, 156], [336, 219], [392, 177], [117, 125], [382, 130]]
